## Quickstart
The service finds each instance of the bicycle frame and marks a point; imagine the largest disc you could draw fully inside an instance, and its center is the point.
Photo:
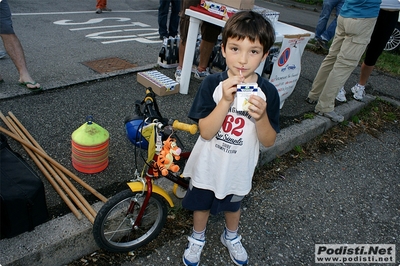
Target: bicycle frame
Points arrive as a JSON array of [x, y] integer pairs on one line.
[[135, 216], [147, 184], [137, 186], [144, 182]]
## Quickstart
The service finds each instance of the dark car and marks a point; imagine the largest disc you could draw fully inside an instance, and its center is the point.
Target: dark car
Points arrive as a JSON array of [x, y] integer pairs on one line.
[[393, 43]]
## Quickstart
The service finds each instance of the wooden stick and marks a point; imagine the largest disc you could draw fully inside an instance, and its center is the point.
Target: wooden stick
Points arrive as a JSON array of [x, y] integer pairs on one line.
[[55, 163], [59, 172], [49, 178], [55, 176]]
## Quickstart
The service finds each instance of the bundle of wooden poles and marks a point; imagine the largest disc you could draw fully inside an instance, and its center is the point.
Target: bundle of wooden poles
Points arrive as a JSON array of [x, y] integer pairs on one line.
[[55, 173]]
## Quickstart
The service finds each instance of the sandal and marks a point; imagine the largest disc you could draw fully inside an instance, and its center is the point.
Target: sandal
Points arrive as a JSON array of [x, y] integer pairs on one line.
[[35, 89]]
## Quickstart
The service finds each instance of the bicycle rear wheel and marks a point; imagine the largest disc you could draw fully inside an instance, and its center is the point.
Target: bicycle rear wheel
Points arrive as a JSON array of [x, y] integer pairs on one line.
[[113, 227]]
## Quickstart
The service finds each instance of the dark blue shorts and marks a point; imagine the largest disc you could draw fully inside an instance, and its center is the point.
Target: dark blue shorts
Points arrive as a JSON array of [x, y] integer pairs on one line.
[[5, 18], [197, 199]]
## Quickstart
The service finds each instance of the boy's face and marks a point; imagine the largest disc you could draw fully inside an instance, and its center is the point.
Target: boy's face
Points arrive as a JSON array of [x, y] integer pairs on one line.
[[243, 56]]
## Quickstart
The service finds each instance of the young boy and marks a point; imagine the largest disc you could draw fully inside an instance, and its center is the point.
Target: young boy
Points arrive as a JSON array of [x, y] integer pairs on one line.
[[225, 155]]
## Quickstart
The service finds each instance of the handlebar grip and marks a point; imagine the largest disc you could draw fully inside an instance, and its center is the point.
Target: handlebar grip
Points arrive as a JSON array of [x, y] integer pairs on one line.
[[149, 102], [191, 128]]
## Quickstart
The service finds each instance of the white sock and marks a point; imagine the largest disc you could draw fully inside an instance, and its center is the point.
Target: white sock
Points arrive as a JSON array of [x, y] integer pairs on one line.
[[199, 235], [230, 234]]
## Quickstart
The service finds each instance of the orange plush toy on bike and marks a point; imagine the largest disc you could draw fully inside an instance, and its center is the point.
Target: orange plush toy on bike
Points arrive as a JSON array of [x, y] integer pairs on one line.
[[165, 160]]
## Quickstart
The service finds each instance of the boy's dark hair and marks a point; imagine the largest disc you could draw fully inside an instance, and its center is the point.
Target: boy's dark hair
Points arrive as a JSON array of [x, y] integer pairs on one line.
[[249, 24]]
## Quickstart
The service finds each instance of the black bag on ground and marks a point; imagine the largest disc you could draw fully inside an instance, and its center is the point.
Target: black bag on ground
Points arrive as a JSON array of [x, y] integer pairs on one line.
[[22, 198]]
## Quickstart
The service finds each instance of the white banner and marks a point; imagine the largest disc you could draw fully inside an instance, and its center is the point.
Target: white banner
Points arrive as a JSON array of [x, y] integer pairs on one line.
[[287, 68]]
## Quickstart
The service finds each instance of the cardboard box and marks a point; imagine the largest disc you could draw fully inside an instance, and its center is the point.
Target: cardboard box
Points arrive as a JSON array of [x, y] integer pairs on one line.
[[238, 4], [269, 14], [219, 9], [226, 12], [160, 83]]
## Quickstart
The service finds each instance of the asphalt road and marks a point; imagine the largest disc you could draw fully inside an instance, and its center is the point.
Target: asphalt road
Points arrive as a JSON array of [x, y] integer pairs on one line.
[[58, 37]]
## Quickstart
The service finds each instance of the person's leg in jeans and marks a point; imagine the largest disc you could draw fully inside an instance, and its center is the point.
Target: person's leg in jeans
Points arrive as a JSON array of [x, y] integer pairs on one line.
[[327, 7], [174, 18], [163, 10], [328, 34]]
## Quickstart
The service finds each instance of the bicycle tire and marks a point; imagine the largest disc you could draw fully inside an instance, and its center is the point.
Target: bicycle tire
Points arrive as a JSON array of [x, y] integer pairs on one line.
[[112, 228]]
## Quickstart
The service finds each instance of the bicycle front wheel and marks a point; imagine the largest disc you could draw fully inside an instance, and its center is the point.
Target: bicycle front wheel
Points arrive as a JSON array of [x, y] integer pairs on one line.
[[113, 227]]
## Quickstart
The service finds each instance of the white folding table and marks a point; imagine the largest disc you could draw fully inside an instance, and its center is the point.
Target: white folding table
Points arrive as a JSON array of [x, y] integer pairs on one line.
[[281, 29]]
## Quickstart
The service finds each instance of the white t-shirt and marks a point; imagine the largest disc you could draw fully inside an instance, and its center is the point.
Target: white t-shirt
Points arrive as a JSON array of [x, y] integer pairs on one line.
[[225, 164]]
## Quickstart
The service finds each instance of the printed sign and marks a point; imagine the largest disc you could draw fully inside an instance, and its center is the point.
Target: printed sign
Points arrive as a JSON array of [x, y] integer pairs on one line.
[[286, 70]]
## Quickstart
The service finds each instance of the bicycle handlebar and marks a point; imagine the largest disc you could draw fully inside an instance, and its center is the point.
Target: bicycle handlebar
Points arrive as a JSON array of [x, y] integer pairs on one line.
[[191, 128], [151, 111]]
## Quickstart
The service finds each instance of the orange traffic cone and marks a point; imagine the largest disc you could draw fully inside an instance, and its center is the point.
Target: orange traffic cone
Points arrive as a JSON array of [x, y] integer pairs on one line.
[[90, 148]]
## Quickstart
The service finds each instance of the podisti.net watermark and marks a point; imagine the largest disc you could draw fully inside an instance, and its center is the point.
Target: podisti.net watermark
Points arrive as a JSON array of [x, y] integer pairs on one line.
[[355, 253]]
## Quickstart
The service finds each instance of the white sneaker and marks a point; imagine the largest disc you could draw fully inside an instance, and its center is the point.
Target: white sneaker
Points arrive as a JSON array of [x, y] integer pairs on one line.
[[341, 97], [236, 250], [359, 92], [191, 256], [201, 75], [178, 73]]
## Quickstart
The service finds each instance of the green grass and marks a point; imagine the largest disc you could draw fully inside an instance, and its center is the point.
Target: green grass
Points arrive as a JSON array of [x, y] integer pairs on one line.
[[298, 149], [389, 63], [309, 115]]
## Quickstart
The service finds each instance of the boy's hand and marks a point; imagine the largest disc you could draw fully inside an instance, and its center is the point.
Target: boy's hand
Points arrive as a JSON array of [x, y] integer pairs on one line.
[[229, 88], [258, 107]]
